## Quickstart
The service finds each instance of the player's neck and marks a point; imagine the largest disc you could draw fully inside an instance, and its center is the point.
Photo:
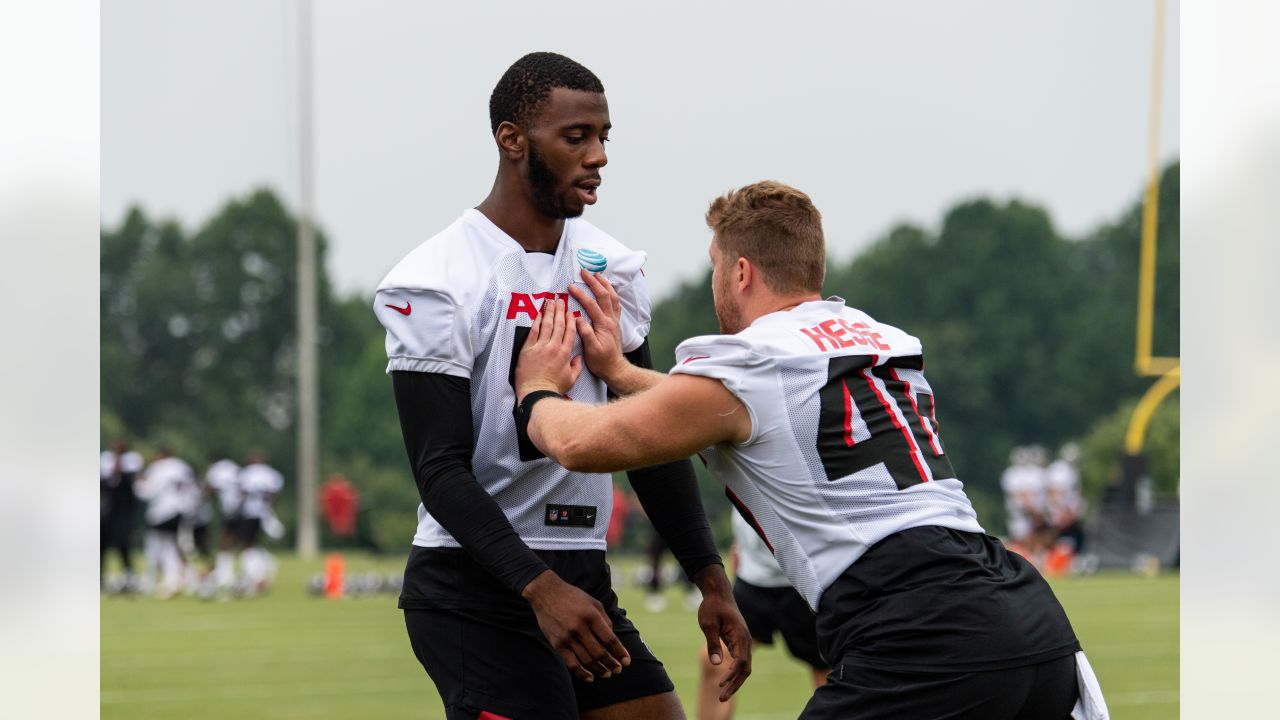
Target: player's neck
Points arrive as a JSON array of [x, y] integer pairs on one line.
[[769, 304], [511, 210]]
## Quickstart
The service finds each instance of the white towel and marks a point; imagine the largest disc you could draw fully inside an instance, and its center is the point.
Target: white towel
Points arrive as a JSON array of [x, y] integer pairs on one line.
[[1090, 705]]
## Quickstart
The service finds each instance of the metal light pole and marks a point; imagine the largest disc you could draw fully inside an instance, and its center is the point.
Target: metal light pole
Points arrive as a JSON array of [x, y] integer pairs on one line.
[[308, 366]]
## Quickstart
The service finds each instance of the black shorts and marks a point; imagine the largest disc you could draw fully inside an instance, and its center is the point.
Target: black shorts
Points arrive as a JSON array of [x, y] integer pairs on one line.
[[935, 600], [245, 530], [169, 526], [782, 610], [483, 649], [1045, 691], [200, 538]]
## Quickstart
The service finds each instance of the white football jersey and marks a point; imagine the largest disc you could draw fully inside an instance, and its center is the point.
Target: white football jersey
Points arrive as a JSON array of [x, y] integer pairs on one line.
[[1024, 497], [1063, 496], [170, 489], [461, 304], [223, 477], [845, 446], [258, 482], [130, 463]]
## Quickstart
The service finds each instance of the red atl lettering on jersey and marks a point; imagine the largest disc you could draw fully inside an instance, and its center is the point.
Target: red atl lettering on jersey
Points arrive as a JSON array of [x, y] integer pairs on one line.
[[840, 333], [529, 303]]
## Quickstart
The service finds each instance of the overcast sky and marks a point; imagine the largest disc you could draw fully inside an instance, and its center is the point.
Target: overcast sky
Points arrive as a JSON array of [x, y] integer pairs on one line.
[[882, 112]]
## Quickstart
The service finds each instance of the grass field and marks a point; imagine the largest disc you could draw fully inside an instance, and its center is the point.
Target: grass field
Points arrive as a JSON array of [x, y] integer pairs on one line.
[[290, 655]]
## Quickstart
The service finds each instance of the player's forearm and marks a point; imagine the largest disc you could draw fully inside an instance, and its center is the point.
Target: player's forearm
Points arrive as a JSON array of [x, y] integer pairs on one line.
[[472, 517], [591, 439], [670, 497], [630, 379], [435, 418]]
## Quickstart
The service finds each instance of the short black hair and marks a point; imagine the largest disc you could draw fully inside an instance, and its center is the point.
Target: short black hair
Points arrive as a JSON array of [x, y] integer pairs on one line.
[[527, 84]]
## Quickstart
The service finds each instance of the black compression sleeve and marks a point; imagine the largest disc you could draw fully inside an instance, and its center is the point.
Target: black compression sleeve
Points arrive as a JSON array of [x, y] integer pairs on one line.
[[435, 419], [669, 495]]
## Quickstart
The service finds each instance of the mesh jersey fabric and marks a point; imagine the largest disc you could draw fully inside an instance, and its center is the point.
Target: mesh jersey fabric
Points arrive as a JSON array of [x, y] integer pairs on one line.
[[790, 369], [461, 304]]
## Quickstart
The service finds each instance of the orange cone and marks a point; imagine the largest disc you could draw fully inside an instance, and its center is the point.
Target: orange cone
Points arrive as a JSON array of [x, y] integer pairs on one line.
[[1059, 561], [334, 568]]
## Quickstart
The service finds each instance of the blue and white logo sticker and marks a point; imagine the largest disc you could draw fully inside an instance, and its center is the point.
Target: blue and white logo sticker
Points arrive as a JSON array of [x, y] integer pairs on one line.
[[591, 260]]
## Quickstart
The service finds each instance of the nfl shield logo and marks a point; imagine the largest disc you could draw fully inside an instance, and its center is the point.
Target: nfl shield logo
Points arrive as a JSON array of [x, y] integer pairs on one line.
[[551, 514]]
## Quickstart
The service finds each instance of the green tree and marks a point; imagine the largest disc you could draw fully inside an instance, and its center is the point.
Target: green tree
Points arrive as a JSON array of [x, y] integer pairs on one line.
[[1103, 446]]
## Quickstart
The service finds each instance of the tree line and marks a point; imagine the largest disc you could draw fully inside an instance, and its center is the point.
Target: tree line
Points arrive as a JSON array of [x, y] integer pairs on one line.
[[1028, 338]]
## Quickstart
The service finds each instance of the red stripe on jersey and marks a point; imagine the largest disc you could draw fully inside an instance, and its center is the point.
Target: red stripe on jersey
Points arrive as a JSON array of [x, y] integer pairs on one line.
[[848, 416], [696, 357], [906, 432], [933, 438], [486, 715], [749, 517]]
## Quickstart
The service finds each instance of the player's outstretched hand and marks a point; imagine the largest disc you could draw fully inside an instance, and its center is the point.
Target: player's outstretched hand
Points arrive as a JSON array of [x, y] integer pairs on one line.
[[602, 336], [720, 620], [577, 627], [544, 362]]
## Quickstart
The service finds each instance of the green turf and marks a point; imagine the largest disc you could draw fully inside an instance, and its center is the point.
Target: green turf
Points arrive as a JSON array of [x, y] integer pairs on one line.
[[289, 655]]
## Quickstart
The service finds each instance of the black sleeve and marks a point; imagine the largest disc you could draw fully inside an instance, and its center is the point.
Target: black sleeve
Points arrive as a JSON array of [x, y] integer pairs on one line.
[[435, 418], [669, 495]]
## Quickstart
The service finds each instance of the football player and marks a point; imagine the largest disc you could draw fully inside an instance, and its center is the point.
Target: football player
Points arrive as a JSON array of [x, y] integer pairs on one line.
[[820, 422], [119, 468], [259, 485], [169, 487], [507, 595]]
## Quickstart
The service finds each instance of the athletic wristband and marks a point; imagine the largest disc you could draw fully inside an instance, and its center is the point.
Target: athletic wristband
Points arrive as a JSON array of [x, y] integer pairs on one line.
[[526, 405]]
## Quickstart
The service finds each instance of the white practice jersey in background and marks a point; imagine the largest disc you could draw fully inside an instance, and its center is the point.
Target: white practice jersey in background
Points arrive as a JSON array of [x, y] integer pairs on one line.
[[1063, 497], [258, 483], [130, 463], [224, 477], [461, 304], [756, 564], [1024, 498], [845, 447], [170, 489]]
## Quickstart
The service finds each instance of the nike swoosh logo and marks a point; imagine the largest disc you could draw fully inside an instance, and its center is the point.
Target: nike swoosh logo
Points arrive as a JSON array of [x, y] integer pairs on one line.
[[408, 308]]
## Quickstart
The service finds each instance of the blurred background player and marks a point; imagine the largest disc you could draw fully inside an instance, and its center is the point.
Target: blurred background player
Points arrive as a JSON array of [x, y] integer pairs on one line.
[[622, 504], [1064, 509], [194, 540], [770, 605], [169, 487], [223, 477], [119, 468], [1023, 486], [259, 485], [340, 503]]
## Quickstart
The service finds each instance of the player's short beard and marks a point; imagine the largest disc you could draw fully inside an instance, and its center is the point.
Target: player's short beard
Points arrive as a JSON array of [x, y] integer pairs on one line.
[[728, 311], [542, 187]]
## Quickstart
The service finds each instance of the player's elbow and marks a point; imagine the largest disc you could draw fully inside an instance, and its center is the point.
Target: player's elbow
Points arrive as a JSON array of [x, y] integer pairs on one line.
[[579, 453], [571, 453]]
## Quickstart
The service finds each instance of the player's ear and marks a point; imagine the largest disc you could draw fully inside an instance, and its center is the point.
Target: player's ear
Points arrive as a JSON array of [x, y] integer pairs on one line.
[[511, 140], [745, 272]]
